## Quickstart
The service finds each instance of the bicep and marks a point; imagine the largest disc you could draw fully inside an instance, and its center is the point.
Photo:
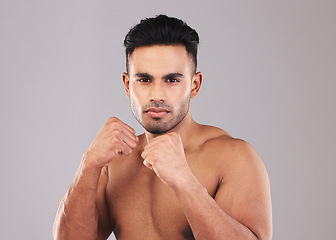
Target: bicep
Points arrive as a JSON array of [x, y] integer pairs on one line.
[[244, 192], [105, 224]]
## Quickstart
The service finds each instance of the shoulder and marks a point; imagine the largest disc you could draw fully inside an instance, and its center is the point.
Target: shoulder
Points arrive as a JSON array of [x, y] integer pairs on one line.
[[243, 190], [229, 151], [221, 140]]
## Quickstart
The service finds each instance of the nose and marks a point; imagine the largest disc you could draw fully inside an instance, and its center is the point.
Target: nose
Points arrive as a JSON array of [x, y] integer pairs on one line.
[[157, 92]]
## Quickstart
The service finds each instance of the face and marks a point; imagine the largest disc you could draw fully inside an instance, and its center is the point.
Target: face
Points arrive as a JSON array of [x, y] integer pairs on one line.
[[159, 84]]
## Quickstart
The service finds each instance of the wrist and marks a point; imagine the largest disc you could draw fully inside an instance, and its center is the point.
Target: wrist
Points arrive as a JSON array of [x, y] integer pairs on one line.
[[89, 163], [86, 178], [187, 184], [88, 170]]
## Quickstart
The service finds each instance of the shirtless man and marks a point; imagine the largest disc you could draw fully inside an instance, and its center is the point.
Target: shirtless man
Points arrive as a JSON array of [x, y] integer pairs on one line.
[[178, 180]]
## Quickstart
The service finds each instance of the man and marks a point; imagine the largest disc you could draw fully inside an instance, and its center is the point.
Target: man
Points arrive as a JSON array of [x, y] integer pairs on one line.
[[178, 180]]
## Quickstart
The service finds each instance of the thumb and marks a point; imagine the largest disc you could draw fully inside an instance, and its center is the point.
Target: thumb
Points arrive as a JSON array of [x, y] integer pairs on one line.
[[148, 163]]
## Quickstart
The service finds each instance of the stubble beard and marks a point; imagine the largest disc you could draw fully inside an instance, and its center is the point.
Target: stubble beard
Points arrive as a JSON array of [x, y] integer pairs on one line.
[[157, 126]]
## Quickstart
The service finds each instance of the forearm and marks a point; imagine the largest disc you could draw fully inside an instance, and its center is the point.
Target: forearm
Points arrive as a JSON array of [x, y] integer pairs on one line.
[[77, 215], [206, 218]]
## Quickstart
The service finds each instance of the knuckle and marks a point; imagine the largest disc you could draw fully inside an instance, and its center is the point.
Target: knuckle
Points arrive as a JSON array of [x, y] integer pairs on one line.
[[149, 160], [115, 133], [175, 135], [114, 142], [126, 151], [155, 153], [112, 120], [160, 145]]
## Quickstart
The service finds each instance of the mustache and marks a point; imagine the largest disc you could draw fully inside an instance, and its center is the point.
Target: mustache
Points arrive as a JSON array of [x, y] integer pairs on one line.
[[158, 105]]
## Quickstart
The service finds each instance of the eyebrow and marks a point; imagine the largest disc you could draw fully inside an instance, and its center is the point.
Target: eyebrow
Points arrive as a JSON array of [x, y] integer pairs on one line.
[[144, 75], [167, 76], [172, 75]]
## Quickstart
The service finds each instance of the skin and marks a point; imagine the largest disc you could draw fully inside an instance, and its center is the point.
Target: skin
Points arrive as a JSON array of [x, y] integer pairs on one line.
[[178, 180]]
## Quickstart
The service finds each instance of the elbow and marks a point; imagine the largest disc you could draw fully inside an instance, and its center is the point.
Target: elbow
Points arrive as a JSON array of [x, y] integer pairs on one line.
[[265, 238], [60, 216], [55, 232], [264, 232], [267, 235], [56, 229]]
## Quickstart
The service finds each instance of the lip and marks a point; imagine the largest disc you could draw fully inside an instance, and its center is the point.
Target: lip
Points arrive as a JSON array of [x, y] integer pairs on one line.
[[156, 112]]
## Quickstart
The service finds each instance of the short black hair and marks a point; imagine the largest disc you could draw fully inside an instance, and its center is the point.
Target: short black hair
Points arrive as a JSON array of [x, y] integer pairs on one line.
[[162, 30]]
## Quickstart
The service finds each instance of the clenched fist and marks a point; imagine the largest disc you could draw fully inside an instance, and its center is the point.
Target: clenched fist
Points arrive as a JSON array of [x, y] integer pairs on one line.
[[115, 138], [165, 155]]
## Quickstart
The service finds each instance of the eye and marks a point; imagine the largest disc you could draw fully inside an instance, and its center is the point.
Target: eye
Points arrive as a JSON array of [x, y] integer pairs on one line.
[[173, 80], [143, 80]]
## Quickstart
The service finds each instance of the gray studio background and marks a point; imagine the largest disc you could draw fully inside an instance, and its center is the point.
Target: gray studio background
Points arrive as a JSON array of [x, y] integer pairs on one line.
[[269, 78]]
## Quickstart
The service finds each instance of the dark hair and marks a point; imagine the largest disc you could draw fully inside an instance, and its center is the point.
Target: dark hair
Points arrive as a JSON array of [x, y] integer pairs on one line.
[[162, 30]]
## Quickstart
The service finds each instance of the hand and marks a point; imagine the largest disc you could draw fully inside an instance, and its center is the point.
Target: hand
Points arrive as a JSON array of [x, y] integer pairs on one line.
[[165, 155], [115, 138]]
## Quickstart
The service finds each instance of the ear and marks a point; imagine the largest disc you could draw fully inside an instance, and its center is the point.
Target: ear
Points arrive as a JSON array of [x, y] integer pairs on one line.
[[196, 84], [126, 83]]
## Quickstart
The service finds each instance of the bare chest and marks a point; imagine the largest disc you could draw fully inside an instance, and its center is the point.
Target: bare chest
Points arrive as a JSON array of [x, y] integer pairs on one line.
[[143, 207]]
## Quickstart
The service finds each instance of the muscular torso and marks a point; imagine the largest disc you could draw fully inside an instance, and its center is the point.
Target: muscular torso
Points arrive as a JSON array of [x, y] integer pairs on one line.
[[143, 207]]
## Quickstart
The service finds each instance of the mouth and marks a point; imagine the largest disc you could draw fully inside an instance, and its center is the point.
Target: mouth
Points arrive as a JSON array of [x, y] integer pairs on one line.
[[156, 112]]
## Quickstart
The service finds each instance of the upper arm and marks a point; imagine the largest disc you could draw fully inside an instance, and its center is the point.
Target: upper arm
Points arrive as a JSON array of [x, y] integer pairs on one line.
[[105, 224], [244, 192]]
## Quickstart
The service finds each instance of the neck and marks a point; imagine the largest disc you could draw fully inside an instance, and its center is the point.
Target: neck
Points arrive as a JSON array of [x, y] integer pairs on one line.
[[183, 129]]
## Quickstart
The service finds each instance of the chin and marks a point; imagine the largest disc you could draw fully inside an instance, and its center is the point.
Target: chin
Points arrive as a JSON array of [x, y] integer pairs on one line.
[[156, 130], [156, 126]]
